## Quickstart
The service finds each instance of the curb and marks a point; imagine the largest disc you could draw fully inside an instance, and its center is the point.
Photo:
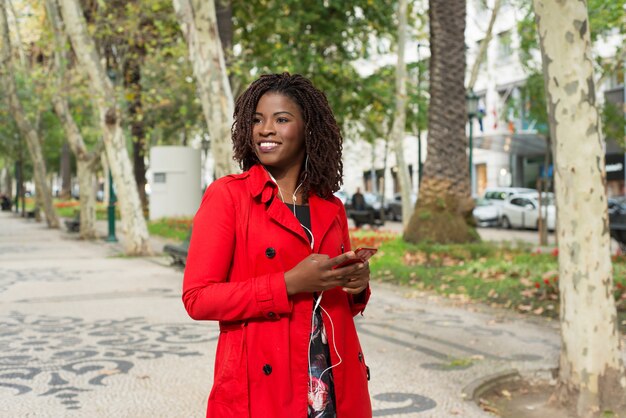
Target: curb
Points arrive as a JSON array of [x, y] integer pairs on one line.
[[475, 389]]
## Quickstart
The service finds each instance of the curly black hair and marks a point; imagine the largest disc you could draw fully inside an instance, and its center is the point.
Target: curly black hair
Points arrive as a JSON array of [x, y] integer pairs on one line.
[[322, 137]]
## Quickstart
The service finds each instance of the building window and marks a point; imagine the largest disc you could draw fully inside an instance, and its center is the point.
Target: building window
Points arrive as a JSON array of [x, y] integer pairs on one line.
[[505, 50]]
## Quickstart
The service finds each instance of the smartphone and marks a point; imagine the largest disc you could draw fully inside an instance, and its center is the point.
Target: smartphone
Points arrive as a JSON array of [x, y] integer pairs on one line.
[[363, 254]]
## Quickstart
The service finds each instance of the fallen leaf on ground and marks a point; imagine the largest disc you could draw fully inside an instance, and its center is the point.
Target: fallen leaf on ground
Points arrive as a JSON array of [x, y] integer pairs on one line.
[[525, 282]]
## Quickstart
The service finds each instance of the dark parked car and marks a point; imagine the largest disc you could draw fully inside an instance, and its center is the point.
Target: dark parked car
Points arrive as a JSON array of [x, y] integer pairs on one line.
[[617, 220], [394, 207], [369, 215]]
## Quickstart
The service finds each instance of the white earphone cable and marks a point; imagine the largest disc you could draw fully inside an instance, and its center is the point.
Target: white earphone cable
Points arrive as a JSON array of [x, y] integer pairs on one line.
[[317, 302], [332, 328]]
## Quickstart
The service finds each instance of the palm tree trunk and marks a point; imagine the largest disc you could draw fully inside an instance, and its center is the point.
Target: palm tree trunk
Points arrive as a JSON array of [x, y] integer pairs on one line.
[[443, 212]]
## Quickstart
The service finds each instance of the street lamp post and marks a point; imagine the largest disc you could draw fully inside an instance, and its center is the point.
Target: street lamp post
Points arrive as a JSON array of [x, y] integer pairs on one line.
[[417, 115], [111, 210], [18, 179], [471, 101]]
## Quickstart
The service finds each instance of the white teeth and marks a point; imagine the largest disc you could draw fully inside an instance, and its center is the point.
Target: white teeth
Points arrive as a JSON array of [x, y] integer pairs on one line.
[[268, 144]]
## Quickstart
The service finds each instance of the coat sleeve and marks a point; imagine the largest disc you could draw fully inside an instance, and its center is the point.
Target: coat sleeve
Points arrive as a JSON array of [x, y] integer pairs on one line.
[[357, 302], [207, 292]]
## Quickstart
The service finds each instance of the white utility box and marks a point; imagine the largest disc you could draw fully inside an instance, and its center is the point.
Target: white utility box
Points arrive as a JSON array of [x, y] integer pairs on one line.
[[175, 182]]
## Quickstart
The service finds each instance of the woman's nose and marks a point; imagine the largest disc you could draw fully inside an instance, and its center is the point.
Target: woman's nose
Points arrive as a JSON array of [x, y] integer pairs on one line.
[[267, 128]]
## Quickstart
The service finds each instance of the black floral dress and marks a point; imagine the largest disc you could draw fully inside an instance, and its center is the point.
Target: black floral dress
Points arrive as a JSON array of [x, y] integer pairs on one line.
[[321, 388]]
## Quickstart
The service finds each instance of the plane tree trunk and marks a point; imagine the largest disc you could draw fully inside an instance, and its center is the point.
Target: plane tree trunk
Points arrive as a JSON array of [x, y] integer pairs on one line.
[[591, 372], [133, 222]]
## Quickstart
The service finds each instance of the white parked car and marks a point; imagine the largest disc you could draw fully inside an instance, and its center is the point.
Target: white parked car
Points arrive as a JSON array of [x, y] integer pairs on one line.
[[499, 195], [486, 213], [522, 211]]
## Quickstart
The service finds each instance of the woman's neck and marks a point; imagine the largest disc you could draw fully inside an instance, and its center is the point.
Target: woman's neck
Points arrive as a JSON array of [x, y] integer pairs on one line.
[[288, 185]]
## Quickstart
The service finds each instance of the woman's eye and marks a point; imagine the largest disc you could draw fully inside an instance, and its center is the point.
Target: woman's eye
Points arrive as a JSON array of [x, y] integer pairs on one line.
[[282, 120], [256, 121]]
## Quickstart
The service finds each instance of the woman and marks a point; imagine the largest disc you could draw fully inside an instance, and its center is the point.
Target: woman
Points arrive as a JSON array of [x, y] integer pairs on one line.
[[262, 261]]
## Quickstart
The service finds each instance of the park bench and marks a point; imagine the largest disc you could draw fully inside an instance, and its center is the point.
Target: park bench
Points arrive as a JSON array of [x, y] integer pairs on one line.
[[6, 204], [32, 214], [178, 252], [364, 217], [73, 224]]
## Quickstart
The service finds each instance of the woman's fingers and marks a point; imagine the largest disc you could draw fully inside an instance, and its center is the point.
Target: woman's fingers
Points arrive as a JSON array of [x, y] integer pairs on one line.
[[355, 290], [336, 262]]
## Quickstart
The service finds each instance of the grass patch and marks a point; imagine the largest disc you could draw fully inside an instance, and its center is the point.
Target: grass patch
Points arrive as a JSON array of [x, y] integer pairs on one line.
[[173, 228], [69, 208], [498, 275]]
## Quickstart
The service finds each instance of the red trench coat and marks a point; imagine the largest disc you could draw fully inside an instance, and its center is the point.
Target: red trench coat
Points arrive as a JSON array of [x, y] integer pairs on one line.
[[244, 239]]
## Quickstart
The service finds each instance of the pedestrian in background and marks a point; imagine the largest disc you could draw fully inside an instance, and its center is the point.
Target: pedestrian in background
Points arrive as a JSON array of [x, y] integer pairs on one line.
[[358, 200], [262, 261]]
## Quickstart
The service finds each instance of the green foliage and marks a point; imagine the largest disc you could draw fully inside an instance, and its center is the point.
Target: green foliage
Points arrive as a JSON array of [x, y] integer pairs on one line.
[[534, 98], [319, 42], [9, 134], [605, 17], [377, 92], [147, 32]]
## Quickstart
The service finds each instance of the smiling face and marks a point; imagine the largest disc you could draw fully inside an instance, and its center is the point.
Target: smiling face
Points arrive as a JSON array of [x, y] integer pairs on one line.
[[278, 134]]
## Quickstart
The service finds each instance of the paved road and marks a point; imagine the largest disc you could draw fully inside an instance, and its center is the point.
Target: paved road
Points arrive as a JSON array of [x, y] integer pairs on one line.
[[85, 332]]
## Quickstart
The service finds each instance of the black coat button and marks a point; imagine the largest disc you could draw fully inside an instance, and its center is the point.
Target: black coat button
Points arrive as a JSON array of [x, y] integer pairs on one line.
[[270, 252], [368, 373], [360, 357], [267, 369], [271, 314]]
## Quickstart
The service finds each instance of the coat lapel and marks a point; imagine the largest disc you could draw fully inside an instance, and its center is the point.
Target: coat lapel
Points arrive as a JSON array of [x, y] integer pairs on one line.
[[281, 214], [323, 213]]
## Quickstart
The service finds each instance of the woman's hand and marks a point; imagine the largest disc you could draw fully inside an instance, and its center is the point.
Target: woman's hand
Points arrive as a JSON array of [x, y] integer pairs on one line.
[[316, 273], [359, 279]]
